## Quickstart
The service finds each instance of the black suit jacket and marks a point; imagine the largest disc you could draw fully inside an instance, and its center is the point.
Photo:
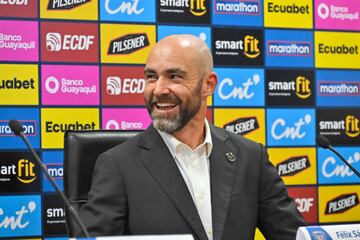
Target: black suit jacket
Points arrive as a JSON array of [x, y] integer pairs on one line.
[[138, 189]]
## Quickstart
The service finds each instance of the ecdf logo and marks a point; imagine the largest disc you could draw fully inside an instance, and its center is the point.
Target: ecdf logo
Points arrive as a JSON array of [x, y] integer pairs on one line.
[[116, 85], [55, 42]]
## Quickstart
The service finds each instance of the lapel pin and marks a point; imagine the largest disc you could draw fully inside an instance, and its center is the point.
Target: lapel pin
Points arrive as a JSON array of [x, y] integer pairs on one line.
[[230, 156]]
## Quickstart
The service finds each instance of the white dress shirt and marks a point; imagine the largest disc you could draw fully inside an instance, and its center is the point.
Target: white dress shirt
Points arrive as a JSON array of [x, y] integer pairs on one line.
[[195, 169]]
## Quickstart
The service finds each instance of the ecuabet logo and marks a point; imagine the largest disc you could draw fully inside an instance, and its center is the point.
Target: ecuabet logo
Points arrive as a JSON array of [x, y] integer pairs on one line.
[[20, 216], [239, 87], [296, 127]]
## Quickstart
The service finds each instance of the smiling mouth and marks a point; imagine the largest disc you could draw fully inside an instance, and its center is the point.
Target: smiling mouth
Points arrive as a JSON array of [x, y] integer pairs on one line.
[[165, 106]]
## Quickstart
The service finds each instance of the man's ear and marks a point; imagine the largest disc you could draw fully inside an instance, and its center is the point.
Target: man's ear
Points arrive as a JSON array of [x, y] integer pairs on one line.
[[209, 84]]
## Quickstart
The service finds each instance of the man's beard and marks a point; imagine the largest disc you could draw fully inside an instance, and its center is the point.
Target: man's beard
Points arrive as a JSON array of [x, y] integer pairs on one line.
[[187, 111]]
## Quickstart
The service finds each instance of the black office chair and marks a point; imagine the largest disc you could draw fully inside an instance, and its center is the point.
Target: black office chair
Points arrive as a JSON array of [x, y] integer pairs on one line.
[[81, 149]]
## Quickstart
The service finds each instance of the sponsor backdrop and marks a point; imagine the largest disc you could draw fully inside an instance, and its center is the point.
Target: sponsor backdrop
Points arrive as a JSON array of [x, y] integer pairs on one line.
[[288, 71]]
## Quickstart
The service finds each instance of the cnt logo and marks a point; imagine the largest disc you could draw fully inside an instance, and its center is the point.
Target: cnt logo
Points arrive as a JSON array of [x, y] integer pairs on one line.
[[279, 130], [249, 46], [350, 125], [123, 125], [330, 169], [29, 127], [242, 92], [128, 43], [237, 7], [293, 165], [116, 86], [65, 4], [72, 86], [336, 12], [242, 126], [336, 88], [301, 86], [128, 7], [55, 42], [15, 221], [289, 48], [342, 203]]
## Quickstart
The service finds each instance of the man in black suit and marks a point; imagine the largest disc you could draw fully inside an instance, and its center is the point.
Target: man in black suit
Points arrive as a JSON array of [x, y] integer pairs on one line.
[[183, 175]]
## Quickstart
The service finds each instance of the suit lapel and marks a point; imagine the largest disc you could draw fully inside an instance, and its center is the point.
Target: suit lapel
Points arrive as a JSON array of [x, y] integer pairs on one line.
[[221, 174], [159, 162]]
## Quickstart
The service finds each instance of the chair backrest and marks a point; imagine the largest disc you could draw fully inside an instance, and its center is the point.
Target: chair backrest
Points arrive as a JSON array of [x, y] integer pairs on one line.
[[81, 149]]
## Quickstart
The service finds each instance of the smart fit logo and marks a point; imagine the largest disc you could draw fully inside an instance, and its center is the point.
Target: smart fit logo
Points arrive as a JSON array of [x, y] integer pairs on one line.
[[197, 7], [251, 46], [25, 171], [352, 128], [303, 90]]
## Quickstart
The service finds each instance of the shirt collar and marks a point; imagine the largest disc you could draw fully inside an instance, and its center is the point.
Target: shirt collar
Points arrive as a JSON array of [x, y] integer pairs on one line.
[[172, 142]]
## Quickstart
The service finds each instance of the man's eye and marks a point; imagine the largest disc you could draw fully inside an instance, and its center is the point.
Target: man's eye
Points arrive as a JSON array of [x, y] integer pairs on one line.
[[150, 76], [175, 76]]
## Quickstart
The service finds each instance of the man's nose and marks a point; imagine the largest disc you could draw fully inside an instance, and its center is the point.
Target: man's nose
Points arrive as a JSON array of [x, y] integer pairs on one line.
[[161, 86]]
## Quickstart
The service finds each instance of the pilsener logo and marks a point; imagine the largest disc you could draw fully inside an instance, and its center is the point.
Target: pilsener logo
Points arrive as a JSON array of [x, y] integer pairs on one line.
[[242, 126], [237, 7], [293, 165], [29, 127], [342, 203], [116, 85], [289, 48], [55, 42], [128, 44], [65, 4]]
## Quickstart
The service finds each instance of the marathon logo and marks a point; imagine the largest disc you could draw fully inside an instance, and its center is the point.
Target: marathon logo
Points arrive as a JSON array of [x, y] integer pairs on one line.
[[332, 88], [242, 126], [350, 125], [14, 2], [17, 84], [292, 9], [56, 170], [342, 203], [237, 7], [128, 44], [286, 48], [65, 4], [29, 127], [301, 86], [293, 165], [343, 49], [51, 127]]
